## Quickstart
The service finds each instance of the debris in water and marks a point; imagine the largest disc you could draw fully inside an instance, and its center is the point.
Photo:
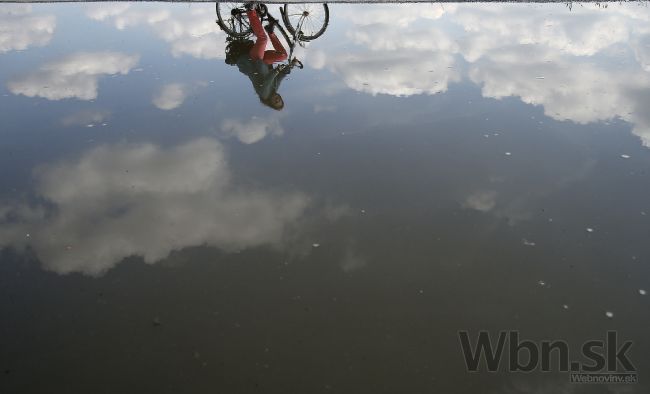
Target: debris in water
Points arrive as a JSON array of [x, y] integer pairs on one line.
[[156, 322], [565, 306], [90, 125], [539, 77], [508, 153], [625, 156], [642, 292], [315, 245], [541, 283], [609, 314], [590, 230]]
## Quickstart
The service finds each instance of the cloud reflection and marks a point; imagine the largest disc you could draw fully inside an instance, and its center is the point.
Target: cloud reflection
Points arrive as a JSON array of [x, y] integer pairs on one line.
[[73, 76], [125, 200], [190, 32], [252, 130], [393, 53], [21, 29], [170, 96], [546, 59], [543, 58]]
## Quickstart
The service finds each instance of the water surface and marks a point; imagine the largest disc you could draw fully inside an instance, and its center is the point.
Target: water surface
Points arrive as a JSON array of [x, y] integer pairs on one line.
[[436, 168]]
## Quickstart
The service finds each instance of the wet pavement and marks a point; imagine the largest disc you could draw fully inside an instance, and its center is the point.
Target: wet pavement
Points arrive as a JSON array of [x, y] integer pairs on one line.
[[433, 168]]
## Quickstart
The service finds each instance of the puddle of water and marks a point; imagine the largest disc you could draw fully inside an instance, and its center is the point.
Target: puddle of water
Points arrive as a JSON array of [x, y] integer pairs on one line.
[[176, 215]]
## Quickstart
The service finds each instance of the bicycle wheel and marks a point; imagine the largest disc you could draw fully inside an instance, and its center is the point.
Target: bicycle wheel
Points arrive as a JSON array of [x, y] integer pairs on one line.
[[306, 21], [233, 20]]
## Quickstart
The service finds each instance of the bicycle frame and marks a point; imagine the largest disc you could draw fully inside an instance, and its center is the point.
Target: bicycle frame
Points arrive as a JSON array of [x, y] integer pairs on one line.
[[291, 40], [299, 27]]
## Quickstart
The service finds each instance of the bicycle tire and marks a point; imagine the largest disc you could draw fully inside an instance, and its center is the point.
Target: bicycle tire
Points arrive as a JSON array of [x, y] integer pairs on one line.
[[319, 29], [229, 26]]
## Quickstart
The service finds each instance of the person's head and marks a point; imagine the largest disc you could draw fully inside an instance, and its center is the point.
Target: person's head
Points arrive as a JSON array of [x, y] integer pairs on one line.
[[274, 101], [236, 48]]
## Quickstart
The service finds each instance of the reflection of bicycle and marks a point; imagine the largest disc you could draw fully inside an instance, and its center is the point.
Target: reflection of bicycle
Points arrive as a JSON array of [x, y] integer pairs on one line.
[[305, 22]]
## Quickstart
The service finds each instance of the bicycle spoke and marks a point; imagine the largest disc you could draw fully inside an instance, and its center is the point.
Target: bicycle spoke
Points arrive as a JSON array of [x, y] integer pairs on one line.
[[306, 21], [233, 18]]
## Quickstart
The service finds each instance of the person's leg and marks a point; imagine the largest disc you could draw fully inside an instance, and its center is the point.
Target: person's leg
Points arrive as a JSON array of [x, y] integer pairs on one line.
[[279, 54], [277, 45], [257, 51]]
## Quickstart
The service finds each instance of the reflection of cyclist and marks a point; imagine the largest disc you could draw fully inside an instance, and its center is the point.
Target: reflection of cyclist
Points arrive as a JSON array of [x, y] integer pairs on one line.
[[257, 62]]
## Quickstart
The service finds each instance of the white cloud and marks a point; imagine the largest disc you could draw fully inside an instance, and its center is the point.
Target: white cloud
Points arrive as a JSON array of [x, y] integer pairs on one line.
[[583, 32], [170, 96], [401, 15], [123, 15], [396, 73], [482, 201], [253, 130], [547, 59], [103, 11], [396, 53], [190, 32], [514, 50], [20, 29], [571, 89], [389, 38], [142, 200], [642, 51], [74, 76]]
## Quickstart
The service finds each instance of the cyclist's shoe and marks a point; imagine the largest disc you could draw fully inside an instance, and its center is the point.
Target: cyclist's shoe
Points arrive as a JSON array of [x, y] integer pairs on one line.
[[296, 63]]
